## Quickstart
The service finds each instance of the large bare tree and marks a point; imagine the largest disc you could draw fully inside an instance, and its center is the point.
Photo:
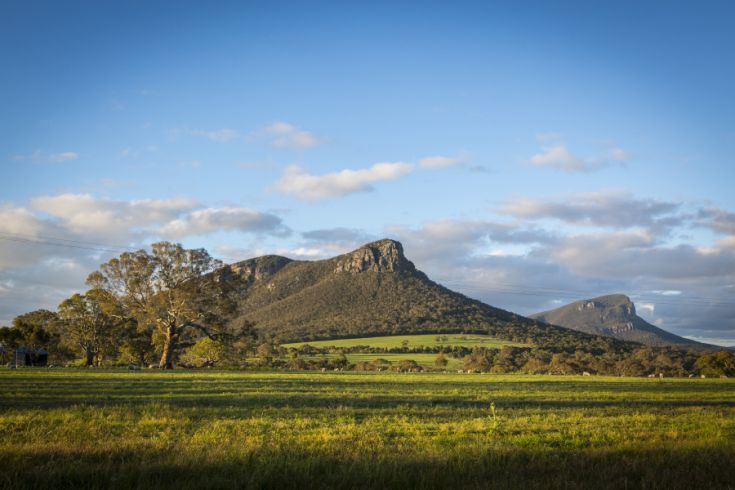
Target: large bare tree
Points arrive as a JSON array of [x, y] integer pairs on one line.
[[172, 289]]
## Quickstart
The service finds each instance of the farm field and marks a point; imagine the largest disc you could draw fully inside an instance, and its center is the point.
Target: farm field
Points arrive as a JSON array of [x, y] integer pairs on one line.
[[423, 340], [425, 360], [209, 429]]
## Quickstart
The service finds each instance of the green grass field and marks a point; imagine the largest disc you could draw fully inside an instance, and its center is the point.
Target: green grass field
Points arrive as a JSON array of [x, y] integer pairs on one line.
[[427, 340], [426, 360], [200, 429]]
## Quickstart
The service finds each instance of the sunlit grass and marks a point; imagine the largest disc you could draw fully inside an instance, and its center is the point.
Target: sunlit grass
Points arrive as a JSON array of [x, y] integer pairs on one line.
[[425, 360], [205, 429]]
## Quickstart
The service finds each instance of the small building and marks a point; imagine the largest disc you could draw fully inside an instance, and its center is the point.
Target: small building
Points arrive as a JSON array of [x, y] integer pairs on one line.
[[27, 356]]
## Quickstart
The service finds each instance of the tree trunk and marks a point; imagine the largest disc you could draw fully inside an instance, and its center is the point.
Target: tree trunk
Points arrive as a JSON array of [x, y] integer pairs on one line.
[[168, 350], [89, 354]]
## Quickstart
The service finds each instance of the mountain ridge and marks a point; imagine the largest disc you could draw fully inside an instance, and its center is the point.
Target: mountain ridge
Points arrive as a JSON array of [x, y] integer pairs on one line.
[[374, 289], [613, 315]]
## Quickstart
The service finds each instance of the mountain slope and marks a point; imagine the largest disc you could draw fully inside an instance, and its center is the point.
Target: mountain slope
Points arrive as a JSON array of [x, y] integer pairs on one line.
[[372, 290], [614, 316]]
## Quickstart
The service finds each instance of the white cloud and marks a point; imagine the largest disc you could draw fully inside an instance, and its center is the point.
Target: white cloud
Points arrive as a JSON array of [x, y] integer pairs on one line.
[[727, 242], [209, 220], [649, 307], [63, 156], [17, 227], [306, 252], [115, 220], [718, 220], [637, 254], [284, 135], [558, 156], [667, 292], [39, 156], [351, 236], [618, 154], [297, 182], [223, 135], [610, 208], [439, 161]]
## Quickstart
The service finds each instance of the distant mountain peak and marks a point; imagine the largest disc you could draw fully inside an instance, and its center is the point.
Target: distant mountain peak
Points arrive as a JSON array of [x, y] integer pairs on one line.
[[613, 299], [380, 256], [613, 315], [617, 306]]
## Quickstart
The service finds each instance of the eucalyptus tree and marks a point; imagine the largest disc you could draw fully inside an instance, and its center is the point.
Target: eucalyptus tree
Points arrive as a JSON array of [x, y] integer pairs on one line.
[[85, 326], [171, 290], [35, 328]]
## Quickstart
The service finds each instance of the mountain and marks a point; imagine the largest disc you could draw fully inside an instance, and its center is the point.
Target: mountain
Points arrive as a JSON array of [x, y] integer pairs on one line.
[[370, 291], [614, 316]]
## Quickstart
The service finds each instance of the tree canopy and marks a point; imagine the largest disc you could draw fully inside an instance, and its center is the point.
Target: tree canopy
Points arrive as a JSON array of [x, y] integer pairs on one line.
[[171, 291]]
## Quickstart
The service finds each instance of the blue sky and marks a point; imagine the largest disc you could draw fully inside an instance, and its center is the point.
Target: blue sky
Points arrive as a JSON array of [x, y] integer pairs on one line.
[[525, 153]]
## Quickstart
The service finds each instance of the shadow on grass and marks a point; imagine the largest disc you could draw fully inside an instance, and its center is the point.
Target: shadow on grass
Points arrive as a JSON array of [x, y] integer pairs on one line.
[[285, 468], [185, 390]]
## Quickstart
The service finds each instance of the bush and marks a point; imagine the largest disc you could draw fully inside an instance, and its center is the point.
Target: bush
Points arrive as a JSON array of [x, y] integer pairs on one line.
[[409, 365], [440, 361], [206, 352]]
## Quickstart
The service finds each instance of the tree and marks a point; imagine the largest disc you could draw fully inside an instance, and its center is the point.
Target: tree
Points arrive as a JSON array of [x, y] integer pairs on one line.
[[171, 290], [481, 359], [720, 363], [10, 338], [135, 345], [408, 365], [440, 361], [206, 352], [265, 353], [35, 328], [341, 361], [85, 326]]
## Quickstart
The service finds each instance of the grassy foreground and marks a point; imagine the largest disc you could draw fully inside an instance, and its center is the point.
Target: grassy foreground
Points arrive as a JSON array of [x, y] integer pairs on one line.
[[91, 429]]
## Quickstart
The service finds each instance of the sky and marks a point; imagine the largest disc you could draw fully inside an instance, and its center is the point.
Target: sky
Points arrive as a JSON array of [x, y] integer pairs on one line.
[[526, 153]]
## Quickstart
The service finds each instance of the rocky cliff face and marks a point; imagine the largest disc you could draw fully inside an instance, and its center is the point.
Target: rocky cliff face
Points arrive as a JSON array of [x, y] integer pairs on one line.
[[614, 316], [259, 268], [615, 313], [380, 256]]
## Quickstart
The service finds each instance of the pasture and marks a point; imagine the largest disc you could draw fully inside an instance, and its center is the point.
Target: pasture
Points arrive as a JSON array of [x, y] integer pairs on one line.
[[425, 360], [208, 429], [421, 340]]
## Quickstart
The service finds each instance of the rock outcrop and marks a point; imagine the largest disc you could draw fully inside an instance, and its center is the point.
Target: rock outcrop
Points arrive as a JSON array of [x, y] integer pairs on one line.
[[381, 256], [260, 268]]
